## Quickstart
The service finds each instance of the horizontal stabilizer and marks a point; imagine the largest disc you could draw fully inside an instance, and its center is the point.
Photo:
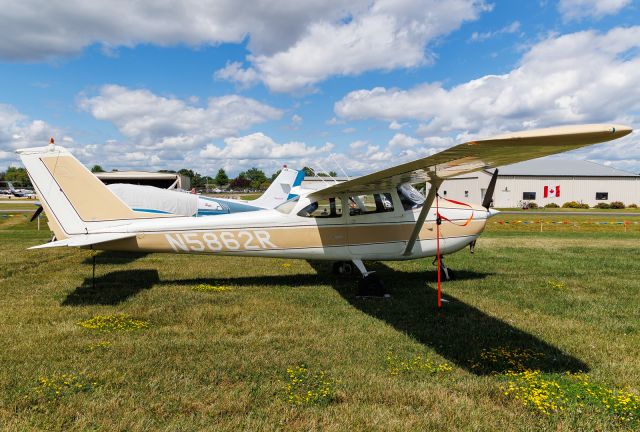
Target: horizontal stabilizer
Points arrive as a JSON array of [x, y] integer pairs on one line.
[[85, 240]]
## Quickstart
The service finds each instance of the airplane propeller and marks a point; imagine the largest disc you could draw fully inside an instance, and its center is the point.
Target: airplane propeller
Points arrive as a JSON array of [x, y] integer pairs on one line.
[[488, 196], [36, 214]]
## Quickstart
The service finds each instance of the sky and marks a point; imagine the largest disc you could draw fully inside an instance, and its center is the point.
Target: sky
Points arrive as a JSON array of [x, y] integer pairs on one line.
[[346, 86]]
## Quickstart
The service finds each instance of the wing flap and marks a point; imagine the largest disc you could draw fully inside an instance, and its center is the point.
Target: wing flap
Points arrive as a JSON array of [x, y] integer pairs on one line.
[[472, 156]]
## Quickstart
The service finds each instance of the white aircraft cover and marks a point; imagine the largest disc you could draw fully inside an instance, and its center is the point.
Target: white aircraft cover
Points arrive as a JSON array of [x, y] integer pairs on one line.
[[156, 200]]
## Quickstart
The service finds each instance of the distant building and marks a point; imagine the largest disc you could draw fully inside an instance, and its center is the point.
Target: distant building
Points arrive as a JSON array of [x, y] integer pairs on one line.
[[157, 179], [545, 181]]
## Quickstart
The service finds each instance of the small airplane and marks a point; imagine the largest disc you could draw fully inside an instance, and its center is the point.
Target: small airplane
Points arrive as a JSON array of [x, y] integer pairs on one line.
[[379, 216], [149, 199], [20, 193]]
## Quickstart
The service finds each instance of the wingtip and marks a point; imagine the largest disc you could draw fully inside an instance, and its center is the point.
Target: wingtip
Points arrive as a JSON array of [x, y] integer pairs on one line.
[[620, 130]]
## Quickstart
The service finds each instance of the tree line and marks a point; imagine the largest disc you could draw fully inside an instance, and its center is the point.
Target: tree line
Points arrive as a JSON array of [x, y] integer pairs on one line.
[[253, 178]]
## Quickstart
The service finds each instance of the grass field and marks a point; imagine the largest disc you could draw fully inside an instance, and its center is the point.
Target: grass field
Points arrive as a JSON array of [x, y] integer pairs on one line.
[[215, 343]]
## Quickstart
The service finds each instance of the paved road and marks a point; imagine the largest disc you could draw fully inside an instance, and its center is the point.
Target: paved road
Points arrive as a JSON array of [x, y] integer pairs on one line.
[[569, 213], [19, 201]]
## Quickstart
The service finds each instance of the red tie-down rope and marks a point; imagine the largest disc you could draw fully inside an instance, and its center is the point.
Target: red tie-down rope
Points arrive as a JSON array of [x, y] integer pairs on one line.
[[439, 219], [438, 223]]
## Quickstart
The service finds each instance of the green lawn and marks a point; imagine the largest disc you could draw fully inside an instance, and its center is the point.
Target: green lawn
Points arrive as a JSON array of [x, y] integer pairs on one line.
[[211, 338]]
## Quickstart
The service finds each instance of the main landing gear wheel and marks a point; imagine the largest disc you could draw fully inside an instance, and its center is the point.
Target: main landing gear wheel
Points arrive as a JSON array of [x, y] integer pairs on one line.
[[371, 286], [342, 268]]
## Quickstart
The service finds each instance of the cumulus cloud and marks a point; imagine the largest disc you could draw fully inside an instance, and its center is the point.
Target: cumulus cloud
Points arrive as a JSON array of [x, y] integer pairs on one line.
[[394, 125], [43, 29], [157, 122], [384, 35], [292, 45], [260, 146], [580, 77], [18, 131], [575, 78], [579, 9], [403, 141], [235, 72]]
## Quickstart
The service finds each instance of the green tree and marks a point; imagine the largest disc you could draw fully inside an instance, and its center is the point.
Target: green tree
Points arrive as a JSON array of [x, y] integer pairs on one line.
[[275, 174], [196, 179], [308, 172], [96, 169], [18, 176], [221, 178], [256, 177], [324, 174]]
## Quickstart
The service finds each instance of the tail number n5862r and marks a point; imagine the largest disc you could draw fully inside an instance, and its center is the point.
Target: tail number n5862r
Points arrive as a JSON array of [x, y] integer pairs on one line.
[[221, 240]]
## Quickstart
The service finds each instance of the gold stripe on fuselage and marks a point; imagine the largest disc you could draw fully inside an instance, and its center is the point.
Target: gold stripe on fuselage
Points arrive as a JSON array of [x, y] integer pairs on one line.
[[292, 237]]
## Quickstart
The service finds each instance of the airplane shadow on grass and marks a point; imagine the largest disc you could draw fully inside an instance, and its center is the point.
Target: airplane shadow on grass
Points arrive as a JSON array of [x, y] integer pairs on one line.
[[461, 333], [112, 288], [109, 257]]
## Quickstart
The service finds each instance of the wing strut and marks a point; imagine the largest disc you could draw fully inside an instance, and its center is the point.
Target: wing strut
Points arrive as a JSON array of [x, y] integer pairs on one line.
[[435, 184]]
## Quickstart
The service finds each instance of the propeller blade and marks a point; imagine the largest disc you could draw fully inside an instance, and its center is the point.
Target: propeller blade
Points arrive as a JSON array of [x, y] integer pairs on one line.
[[488, 196], [36, 214]]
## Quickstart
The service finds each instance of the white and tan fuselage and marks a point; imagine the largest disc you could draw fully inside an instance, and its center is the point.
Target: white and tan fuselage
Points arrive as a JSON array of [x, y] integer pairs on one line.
[[82, 212], [273, 234]]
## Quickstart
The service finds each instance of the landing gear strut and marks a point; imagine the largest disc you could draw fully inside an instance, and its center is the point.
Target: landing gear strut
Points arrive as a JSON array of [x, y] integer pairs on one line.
[[447, 273]]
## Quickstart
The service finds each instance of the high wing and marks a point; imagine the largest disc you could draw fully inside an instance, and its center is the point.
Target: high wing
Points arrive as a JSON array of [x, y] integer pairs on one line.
[[481, 154]]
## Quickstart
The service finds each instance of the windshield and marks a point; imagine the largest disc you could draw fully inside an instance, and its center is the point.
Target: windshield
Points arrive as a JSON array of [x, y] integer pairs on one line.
[[410, 197], [287, 206]]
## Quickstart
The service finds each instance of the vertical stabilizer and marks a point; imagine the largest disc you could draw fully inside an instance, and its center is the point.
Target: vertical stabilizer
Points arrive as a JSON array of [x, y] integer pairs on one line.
[[280, 190], [73, 198]]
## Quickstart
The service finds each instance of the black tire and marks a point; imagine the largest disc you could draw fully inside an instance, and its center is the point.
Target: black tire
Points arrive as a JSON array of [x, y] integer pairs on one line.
[[343, 268], [335, 269], [371, 286]]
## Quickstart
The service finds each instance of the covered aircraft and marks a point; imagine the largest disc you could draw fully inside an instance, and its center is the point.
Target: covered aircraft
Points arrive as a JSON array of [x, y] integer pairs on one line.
[[149, 199], [377, 216]]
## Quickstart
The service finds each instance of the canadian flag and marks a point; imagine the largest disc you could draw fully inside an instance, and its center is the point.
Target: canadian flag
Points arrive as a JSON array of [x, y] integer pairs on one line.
[[551, 191]]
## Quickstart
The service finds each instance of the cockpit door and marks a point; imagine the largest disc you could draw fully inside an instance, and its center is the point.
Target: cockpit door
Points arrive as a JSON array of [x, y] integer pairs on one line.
[[374, 225]]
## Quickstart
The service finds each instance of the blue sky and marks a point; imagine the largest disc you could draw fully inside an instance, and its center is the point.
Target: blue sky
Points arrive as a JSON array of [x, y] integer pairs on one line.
[[357, 85]]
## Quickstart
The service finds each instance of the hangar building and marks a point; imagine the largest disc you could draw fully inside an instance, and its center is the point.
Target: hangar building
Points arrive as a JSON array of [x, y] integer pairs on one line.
[[157, 179], [545, 181]]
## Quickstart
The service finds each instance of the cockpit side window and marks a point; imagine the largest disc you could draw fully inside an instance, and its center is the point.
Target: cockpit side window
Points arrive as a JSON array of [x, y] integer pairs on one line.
[[370, 203], [324, 208], [410, 197]]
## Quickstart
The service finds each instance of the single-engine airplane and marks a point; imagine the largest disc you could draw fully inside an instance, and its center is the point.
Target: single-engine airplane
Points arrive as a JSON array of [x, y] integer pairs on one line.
[[379, 216]]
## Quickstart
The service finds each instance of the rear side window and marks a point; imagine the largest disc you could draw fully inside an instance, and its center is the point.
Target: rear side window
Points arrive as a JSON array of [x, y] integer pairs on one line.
[[371, 203], [287, 206], [324, 208]]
